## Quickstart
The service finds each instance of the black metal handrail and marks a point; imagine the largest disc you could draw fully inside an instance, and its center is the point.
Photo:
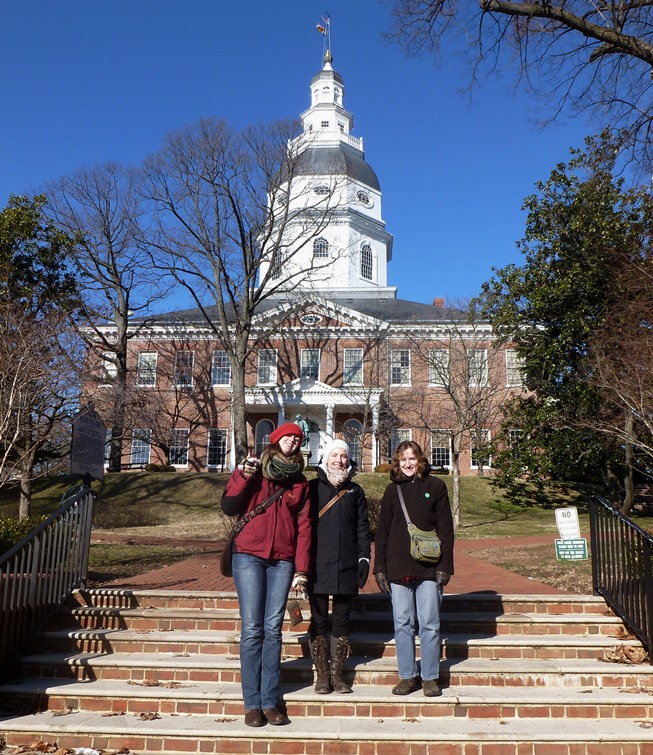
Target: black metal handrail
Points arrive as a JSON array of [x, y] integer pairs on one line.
[[39, 572], [622, 568]]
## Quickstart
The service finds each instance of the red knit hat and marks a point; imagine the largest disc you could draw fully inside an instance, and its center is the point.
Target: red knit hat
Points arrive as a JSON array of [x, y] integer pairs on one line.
[[289, 428]]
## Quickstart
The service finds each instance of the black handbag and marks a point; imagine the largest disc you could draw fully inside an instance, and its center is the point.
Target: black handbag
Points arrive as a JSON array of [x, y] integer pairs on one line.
[[225, 560]]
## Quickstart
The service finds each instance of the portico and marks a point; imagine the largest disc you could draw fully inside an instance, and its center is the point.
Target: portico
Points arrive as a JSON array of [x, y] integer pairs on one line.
[[351, 412]]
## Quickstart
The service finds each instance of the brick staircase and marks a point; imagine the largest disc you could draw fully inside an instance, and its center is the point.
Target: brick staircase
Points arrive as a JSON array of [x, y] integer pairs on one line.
[[157, 672]]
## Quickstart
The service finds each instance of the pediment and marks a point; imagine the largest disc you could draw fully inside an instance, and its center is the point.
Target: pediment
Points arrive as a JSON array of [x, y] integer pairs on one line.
[[314, 312]]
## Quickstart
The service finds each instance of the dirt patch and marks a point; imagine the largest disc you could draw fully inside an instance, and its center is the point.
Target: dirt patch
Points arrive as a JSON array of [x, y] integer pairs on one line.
[[539, 562]]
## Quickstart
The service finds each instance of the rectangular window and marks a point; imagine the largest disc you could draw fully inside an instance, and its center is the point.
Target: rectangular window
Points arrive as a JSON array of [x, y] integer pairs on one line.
[[352, 372], [220, 369], [216, 455], [438, 367], [146, 370], [398, 435], [107, 447], [310, 366], [400, 367], [108, 368], [184, 361], [141, 446], [481, 451], [367, 262], [441, 449], [179, 447], [477, 368], [267, 367], [514, 438], [513, 369]]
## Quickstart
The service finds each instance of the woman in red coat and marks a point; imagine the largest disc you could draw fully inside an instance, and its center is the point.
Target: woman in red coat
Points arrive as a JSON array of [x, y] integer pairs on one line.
[[270, 554]]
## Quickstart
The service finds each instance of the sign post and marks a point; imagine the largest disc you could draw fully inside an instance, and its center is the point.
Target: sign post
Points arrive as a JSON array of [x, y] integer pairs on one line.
[[571, 546], [89, 439]]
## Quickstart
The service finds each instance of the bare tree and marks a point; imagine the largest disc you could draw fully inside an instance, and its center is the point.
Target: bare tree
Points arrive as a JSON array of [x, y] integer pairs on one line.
[[236, 220], [621, 357], [101, 208], [578, 54], [39, 379], [464, 369]]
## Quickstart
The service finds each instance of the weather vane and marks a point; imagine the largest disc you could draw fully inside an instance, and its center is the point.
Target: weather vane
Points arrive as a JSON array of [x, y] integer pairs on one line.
[[325, 30]]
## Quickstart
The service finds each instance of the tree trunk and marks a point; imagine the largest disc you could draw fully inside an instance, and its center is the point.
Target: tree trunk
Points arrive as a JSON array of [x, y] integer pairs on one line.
[[455, 504], [26, 485], [239, 409], [629, 457]]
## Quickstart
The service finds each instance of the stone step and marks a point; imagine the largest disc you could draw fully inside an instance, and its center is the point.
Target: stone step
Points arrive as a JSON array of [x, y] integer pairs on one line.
[[366, 645], [224, 619], [369, 603], [387, 735], [367, 701], [190, 668]]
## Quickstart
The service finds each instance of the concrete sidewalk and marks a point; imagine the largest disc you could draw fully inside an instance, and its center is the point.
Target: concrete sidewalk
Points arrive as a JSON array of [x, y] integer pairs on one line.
[[473, 575]]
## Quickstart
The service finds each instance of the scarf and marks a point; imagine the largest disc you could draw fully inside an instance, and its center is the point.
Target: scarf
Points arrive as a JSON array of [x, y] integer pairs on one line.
[[276, 467]]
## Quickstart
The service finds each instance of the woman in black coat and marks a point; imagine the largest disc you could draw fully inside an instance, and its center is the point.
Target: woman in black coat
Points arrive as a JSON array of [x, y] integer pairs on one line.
[[416, 587], [341, 561]]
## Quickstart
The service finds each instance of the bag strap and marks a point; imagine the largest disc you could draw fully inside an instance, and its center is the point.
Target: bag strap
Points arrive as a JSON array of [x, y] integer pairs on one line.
[[403, 505], [259, 509], [332, 502]]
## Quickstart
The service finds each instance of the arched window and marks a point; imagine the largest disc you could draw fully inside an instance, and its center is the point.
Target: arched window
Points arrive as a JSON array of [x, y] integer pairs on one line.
[[367, 263], [353, 432], [263, 430], [320, 248]]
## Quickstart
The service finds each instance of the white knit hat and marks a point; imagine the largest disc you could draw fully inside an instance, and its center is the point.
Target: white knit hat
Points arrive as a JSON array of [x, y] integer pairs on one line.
[[332, 445]]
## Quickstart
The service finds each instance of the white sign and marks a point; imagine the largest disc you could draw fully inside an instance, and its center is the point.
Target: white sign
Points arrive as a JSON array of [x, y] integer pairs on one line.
[[89, 438], [567, 522]]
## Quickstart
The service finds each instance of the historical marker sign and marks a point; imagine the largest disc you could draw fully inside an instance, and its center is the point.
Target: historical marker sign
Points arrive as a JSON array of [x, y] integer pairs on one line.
[[89, 438]]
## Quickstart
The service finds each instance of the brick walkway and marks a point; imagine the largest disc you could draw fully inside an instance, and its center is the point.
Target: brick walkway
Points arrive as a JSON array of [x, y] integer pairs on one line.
[[473, 575]]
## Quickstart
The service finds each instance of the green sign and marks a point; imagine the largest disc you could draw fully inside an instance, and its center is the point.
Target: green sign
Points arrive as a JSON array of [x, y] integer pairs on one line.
[[571, 550]]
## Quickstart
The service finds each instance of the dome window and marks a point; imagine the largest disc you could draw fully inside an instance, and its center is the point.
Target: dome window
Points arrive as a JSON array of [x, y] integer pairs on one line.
[[363, 198], [322, 189], [320, 248]]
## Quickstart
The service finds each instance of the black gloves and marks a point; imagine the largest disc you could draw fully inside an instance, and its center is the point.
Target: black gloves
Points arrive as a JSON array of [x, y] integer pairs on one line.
[[363, 571], [442, 578], [382, 582]]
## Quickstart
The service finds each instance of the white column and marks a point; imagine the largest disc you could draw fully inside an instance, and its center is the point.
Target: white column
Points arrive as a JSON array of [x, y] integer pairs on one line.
[[329, 419], [375, 439]]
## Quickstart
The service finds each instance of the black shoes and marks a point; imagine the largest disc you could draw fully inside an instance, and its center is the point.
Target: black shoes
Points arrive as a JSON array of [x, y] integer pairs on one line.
[[406, 686]]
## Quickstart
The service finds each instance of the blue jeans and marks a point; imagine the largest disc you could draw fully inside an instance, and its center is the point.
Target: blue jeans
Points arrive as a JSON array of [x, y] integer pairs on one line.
[[262, 586], [420, 601]]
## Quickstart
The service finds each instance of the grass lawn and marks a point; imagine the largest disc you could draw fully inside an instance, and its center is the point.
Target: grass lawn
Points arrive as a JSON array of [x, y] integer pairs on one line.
[[186, 506]]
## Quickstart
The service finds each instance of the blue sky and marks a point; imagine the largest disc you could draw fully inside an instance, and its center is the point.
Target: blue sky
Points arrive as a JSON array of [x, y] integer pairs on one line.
[[84, 82]]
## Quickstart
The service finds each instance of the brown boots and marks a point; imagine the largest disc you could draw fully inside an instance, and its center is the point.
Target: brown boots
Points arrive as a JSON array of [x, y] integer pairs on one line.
[[340, 650], [320, 655], [329, 670]]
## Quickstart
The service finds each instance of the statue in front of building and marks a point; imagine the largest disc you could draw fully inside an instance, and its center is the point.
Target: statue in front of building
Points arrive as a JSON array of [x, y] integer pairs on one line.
[[305, 429]]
